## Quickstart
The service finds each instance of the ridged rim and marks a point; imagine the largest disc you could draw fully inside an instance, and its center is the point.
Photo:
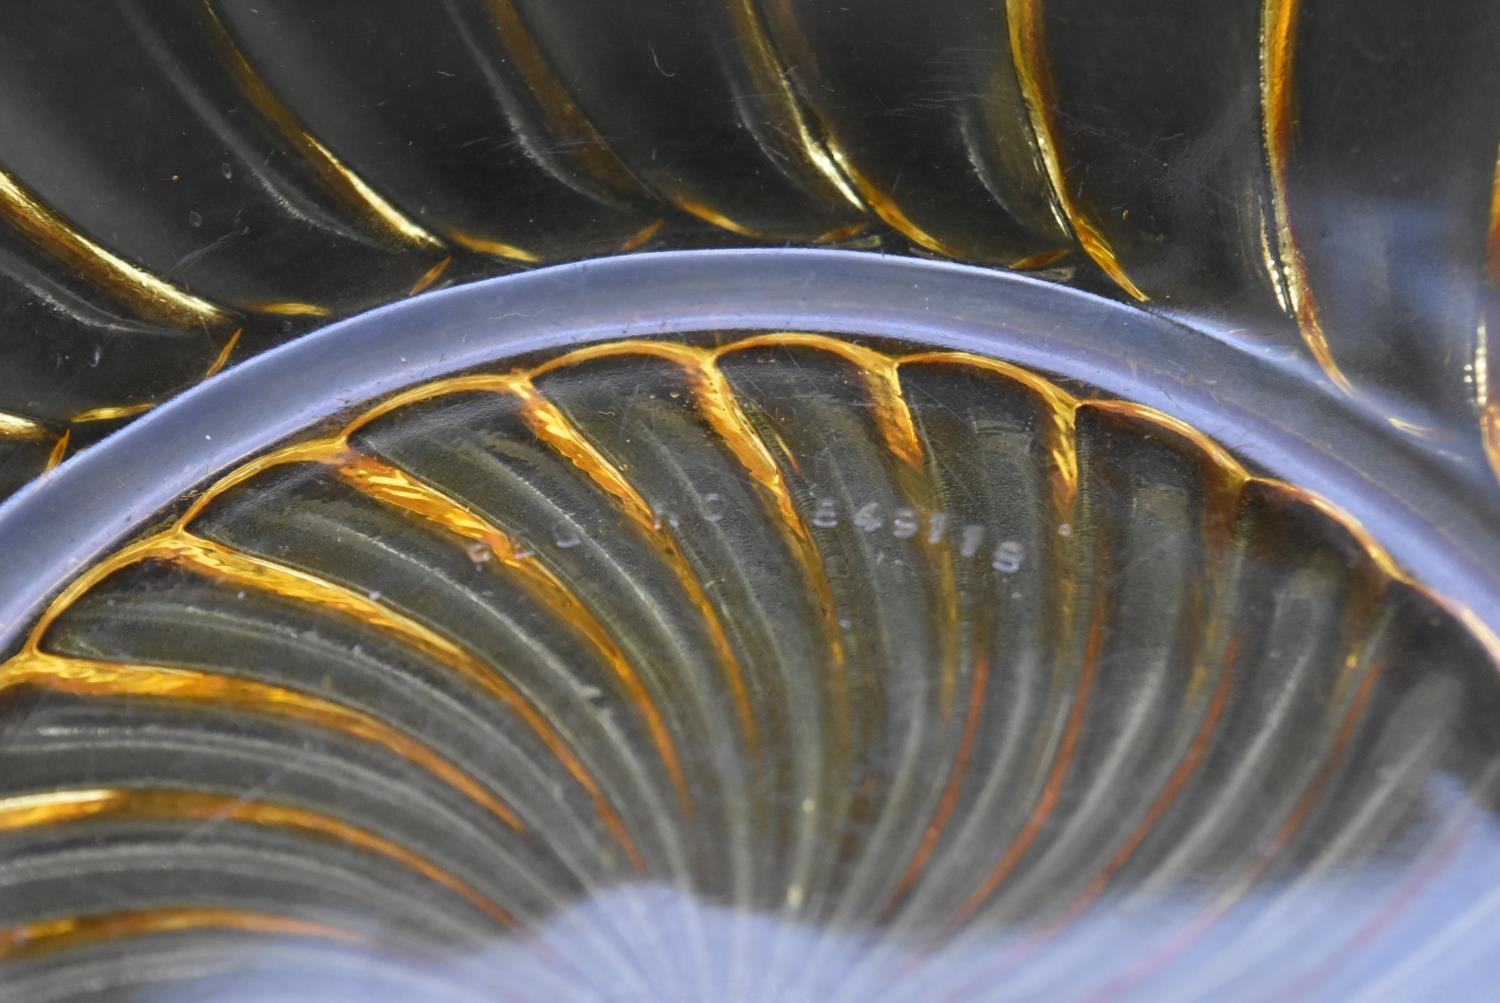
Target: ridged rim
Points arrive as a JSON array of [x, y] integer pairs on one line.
[[1434, 528]]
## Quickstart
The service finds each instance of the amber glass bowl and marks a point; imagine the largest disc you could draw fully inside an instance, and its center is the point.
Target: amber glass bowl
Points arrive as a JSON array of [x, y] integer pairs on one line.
[[748, 499], [582, 633]]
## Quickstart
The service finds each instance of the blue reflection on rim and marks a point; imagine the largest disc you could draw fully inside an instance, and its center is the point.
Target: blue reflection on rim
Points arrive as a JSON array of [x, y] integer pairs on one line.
[[1430, 516]]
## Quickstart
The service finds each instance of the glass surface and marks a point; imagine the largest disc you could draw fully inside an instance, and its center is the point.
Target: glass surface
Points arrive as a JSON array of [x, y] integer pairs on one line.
[[764, 667]]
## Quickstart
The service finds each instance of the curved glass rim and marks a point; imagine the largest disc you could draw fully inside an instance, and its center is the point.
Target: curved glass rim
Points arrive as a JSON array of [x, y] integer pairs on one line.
[[1428, 514]]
